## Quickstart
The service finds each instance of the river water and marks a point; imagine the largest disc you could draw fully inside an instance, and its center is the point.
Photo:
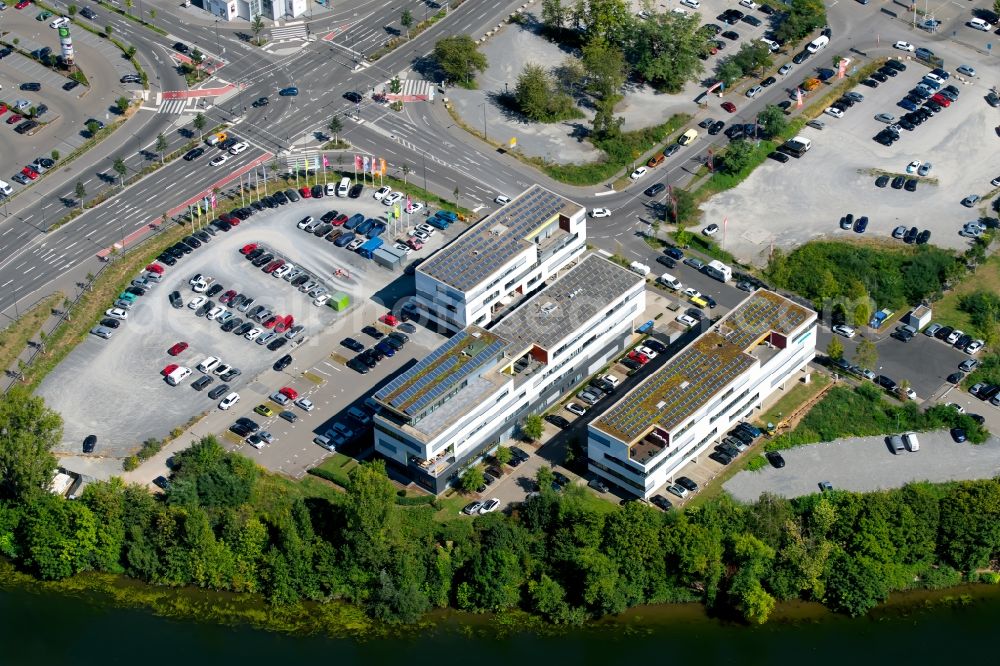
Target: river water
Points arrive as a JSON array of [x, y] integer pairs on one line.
[[43, 629]]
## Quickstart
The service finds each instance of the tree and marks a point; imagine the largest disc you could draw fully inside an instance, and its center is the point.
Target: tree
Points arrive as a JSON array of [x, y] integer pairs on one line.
[[152, 14], [459, 58], [120, 169], [835, 350], [28, 431], [256, 27], [545, 478], [55, 155], [161, 145], [866, 355], [773, 121], [122, 104], [128, 6], [72, 10], [532, 428], [862, 313], [406, 20], [804, 16], [854, 585], [108, 29], [553, 15], [130, 51], [199, 124], [605, 125], [729, 71], [605, 67], [336, 126], [471, 480], [737, 156], [536, 96], [81, 192], [93, 128], [608, 20], [197, 57], [503, 455], [666, 50]]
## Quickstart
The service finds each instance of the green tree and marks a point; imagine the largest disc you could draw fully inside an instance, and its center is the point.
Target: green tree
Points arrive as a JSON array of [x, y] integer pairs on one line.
[[336, 126], [199, 125], [666, 50], [93, 128], [120, 168], [459, 58], [197, 57], [548, 598], [737, 157], [59, 536], [866, 355], [605, 67], [256, 27], [545, 478], [533, 427], [81, 192], [471, 480], [128, 6], [606, 126], [71, 10], [108, 29], [554, 15], [729, 71], [28, 431], [804, 16], [369, 514], [773, 121], [753, 57], [503, 455], [835, 349], [161, 145], [406, 20], [607, 20], [537, 98], [122, 104], [854, 585], [130, 51]]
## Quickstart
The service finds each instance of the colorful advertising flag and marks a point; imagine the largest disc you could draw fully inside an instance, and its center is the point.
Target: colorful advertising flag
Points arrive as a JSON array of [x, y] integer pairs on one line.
[[326, 162], [842, 67], [367, 164], [213, 201], [357, 163], [382, 170], [395, 209], [513, 142], [798, 98]]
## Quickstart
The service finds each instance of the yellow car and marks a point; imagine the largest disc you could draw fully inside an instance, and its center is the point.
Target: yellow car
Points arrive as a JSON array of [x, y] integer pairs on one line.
[[263, 410]]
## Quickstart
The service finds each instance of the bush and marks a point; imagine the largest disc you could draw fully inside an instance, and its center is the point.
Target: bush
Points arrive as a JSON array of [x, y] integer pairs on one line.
[[131, 463], [756, 463]]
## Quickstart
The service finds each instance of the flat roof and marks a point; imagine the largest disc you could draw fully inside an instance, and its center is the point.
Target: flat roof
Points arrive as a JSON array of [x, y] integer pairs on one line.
[[557, 311], [494, 240], [717, 357], [443, 370]]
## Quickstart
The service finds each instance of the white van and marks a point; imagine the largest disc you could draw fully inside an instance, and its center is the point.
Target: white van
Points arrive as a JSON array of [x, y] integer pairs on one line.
[[910, 439], [639, 267], [818, 43], [344, 187], [669, 281], [178, 375], [693, 4], [5, 188]]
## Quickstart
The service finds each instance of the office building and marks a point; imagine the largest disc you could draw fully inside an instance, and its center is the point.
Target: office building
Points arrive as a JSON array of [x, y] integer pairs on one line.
[[474, 390], [500, 260], [684, 408]]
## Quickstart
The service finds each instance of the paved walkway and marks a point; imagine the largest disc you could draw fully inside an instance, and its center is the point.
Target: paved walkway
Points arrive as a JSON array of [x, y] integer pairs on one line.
[[864, 464]]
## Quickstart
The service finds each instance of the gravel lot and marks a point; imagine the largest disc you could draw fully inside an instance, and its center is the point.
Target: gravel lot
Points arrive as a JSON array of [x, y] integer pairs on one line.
[[790, 204], [102, 385], [864, 464]]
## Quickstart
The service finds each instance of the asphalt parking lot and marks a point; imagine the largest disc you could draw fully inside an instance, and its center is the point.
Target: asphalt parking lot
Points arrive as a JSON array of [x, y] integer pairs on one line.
[[790, 204], [103, 383], [864, 464]]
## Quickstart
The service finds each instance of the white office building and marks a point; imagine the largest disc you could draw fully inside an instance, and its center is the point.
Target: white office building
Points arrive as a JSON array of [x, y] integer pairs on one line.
[[682, 410], [474, 390], [500, 259], [231, 10]]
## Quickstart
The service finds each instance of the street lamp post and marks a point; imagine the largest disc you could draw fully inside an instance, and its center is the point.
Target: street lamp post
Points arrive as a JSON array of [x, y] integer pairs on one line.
[[218, 47], [485, 136]]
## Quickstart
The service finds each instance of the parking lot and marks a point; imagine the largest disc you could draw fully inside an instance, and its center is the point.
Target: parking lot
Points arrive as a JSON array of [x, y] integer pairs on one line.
[[103, 383], [790, 204], [865, 464]]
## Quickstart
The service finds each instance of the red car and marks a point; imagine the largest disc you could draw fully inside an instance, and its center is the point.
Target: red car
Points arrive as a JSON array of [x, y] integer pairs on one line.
[[155, 268], [270, 321], [30, 173], [637, 357], [274, 265], [284, 323], [729, 106], [289, 393], [14, 118], [389, 320], [305, 192], [22, 4], [228, 296], [3, 108], [170, 368], [231, 219], [339, 220], [942, 100], [248, 248], [177, 349]]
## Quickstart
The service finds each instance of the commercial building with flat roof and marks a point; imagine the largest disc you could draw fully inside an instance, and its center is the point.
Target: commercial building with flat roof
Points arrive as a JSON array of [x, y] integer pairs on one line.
[[500, 259], [679, 411], [474, 390]]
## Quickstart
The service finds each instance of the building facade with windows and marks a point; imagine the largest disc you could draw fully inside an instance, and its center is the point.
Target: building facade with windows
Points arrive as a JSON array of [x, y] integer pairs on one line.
[[247, 10], [688, 405], [475, 389], [500, 260]]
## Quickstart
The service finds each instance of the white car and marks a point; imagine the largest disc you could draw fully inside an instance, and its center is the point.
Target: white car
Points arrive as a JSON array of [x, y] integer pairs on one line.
[[305, 222], [356, 243], [611, 379], [687, 320], [502, 199], [321, 300], [980, 24], [754, 91], [421, 235], [844, 330], [772, 45], [330, 190], [646, 351], [995, 182], [239, 148], [600, 212], [305, 403], [749, 4], [833, 111], [117, 313], [911, 394], [253, 334], [215, 312], [208, 364], [903, 46], [426, 228], [219, 160], [691, 292], [576, 409], [402, 247], [913, 166], [490, 506], [974, 346], [954, 336], [229, 401], [381, 192], [711, 229], [59, 22], [414, 207], [639, 173], [392, 198], [282, 271], [196, 302], [222, 369], [957, 407], [693, 4]]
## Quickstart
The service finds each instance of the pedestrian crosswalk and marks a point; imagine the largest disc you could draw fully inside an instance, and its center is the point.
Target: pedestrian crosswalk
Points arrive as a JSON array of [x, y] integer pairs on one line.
[[288, 33], [173, 106], [413, 90]]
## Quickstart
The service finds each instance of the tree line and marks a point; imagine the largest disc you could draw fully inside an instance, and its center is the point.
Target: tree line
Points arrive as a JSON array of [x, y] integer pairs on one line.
[[560, 555]]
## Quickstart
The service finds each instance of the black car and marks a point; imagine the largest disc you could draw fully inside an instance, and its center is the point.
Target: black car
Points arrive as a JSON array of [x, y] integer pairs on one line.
[[896, 65], [775, 458], [260, 101], [944, 332], [871, 83], [911, 235], [214, 290], [898, 182], [193, 154], [734, 132], [955, 377], [192, 242], [180, 47], [355, 191], [720, 457], [166, 259], [200, 383], [654, 189], [138, 291], [243, 328], [887, 71], [357, 366], [255, 253], [280, 198], [716, 127], [231, 324], [801, 57], [879, 76], [778, 156], [687, 484], [353, 97], [666, 261], [292, 195], [89, 443], [518, 454], [352, 344], [162, 483], [630, 364], [924, 236], [367, 359], [752, 20], [373, 332], [176, 300], [317, 191], [661, 501], [655, 345], [674, 253], [557, 421], [31, 87], [277, 343], [885, 383], [283, 362], [881, 181], [911, 185], [958, 434]]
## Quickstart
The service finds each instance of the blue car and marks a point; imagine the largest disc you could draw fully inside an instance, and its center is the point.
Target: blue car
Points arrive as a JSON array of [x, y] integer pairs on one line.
[[344, 239], [289, 92], [861, 224], [385, 348], [674, 253], [377, 230], [438, 222], [354, 221], [908, 105], [447, 214], [365, 227]]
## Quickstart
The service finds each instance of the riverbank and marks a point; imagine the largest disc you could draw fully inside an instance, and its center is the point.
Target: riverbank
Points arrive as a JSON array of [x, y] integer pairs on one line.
[[341, 621]]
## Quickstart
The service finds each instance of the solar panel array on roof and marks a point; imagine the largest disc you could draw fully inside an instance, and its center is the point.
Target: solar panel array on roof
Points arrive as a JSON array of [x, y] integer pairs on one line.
[[761, 313], [481, 250], [454, 378], [397, 383]]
